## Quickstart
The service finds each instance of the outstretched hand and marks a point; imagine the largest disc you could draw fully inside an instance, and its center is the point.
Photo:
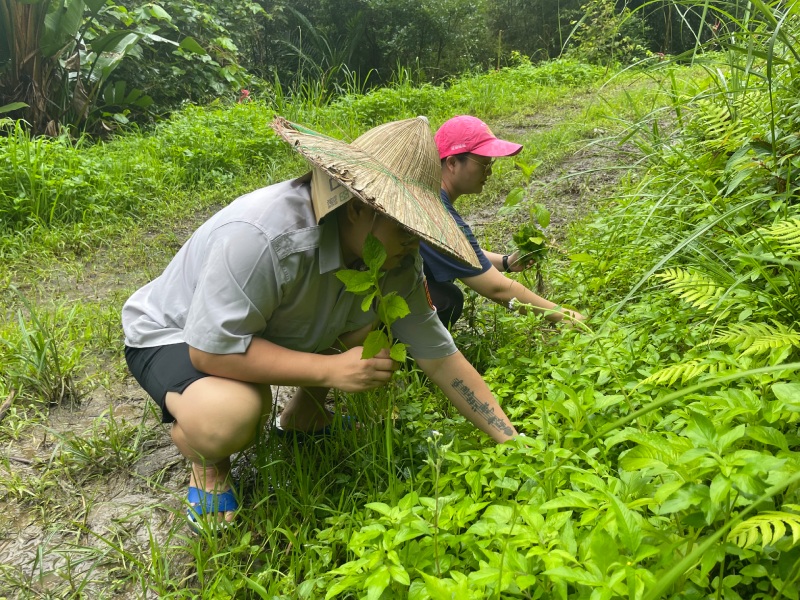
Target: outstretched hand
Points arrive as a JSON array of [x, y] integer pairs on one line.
[[517, 263], [573, 318], [351, 373]]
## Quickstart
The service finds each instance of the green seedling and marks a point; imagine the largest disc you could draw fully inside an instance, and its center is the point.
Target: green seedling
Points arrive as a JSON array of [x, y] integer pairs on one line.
[[530, 239], [390, 307]]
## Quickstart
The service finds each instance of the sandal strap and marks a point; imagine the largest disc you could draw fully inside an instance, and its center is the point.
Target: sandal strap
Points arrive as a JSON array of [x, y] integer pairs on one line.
[[204, 503]]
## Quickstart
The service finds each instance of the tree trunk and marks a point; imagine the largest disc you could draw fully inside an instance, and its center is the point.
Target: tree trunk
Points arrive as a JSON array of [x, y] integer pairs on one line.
[[29, 74]]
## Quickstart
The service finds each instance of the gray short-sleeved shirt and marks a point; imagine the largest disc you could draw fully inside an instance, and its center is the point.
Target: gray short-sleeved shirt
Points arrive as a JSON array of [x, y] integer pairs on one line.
[[263, 267]]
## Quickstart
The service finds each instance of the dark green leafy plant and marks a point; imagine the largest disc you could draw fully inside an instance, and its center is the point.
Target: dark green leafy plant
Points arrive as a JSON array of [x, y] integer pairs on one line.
[[530, 239], [389, 307]]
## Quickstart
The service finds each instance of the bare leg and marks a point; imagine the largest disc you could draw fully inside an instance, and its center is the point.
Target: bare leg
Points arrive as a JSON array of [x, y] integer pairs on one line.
[[215, 417], [306, 410]]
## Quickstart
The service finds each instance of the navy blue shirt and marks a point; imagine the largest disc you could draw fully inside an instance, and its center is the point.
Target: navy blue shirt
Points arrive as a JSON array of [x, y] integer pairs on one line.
[[440, 267]]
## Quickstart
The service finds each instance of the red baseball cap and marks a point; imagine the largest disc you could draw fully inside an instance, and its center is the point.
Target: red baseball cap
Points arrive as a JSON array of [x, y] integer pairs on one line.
[[469, 134]]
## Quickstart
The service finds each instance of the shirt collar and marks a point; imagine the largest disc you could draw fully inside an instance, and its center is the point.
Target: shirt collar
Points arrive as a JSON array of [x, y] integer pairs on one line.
[[445, 198], [330, 249]]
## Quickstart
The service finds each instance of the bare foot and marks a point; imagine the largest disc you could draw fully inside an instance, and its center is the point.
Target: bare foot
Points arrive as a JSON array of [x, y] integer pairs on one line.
[[212, 478], [306, 411]]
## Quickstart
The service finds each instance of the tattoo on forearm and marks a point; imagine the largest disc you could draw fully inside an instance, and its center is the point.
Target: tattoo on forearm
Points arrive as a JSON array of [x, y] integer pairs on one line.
[[484, 409]]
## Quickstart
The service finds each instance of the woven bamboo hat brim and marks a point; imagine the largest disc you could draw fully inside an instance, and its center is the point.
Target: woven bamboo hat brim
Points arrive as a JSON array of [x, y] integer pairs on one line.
[[394, 168]]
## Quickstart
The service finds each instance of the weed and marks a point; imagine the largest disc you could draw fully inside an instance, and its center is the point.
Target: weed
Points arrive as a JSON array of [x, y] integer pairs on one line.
[[42, 359]]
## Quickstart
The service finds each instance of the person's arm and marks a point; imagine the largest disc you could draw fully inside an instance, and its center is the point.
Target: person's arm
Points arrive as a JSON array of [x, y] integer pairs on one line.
[[495, 259], [497, 287], [515, 265], [265, 362], [468, 392]]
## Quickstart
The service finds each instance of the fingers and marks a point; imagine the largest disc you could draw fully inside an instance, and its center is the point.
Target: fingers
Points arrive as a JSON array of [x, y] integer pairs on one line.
[[358, 375], [517, 264]]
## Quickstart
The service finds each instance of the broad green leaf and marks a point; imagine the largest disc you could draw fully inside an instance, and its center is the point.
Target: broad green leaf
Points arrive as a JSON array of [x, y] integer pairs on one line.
[[342, 585], [406, 533], [374, 253], [399, 574], [574, 575], [375, 342], [748, 485], [727, 438], [507, 483], [380, 507], [61, 24], [190, 45], [366, 303], [525, 581], [498, 514], [398, 352], [514, 196], [257, 588], [628, 524], [356, 282], [418, 591], [541, 214], [720, 488], [159, 13], [377, 582], [665, 490], [581, 257], [643, 457], [114, 42], [571, 499], [701, 431], [527, 168], [754, 570], [391, 308], [485, 576], [95, 5], [768, 435], [789, 394]]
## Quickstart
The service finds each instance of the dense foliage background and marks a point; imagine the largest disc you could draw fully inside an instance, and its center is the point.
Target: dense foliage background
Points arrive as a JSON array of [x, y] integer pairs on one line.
[[95, 64]]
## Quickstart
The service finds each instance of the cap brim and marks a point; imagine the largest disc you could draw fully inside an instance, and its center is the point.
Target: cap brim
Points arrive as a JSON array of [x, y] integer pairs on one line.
[[497, 148]]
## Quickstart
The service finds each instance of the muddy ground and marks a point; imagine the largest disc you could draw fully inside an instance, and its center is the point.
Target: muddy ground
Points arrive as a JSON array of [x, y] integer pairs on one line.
[[52, 541]]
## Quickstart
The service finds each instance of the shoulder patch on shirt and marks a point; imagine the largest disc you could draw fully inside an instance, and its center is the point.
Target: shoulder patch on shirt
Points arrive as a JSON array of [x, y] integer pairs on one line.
[[427, 293]]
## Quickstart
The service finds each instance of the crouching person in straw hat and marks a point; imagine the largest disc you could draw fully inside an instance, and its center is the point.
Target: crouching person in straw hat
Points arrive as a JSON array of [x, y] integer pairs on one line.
[[252, 300]]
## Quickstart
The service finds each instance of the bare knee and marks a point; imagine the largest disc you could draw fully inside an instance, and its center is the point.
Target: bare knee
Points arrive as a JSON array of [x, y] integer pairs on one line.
[[216, 417]]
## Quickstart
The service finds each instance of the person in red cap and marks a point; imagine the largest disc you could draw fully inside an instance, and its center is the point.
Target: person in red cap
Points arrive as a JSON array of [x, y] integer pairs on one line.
[[467, 149]]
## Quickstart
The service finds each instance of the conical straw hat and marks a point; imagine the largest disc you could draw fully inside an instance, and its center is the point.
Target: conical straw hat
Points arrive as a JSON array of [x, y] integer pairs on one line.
[[394, 168]]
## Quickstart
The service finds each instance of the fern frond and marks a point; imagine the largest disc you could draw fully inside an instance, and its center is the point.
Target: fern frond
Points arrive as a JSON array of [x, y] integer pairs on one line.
[[718, 126], [692, 369], [770, 526], [683, 371], [757, 338], [695, 288], [786, 233]]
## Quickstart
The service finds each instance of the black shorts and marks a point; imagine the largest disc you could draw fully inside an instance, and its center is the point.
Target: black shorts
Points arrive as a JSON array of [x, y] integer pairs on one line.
[[162, 369]]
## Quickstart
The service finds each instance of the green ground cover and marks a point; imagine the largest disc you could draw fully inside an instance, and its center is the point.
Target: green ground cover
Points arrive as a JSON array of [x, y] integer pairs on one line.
[[660, 452]]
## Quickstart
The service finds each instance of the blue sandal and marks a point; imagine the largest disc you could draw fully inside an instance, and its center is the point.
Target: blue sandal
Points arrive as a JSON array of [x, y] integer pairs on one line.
[[202, 503]]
